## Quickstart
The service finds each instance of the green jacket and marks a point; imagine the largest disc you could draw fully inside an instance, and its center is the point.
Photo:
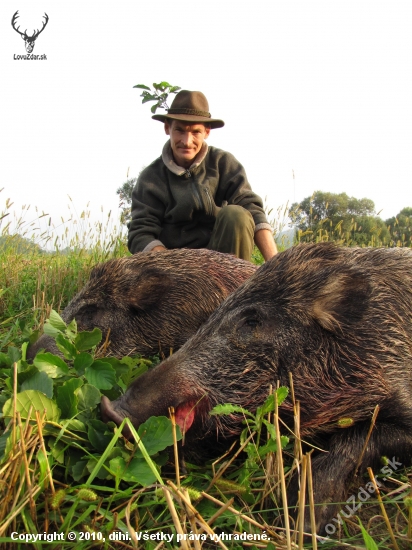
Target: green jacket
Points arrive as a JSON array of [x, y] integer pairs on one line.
[[177, 208]]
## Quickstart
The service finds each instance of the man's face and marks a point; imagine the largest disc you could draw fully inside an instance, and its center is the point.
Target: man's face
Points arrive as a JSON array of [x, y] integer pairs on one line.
[[186, 140]]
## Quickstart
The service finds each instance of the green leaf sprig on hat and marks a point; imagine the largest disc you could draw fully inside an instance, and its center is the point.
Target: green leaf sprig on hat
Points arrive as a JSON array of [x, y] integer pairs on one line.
[[159, 94]]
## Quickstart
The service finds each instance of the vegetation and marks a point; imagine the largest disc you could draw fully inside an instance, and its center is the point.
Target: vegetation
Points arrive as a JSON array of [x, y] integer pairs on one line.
[[349, 221], [400, 228], [159, 94], [125, 196], [62, 470]]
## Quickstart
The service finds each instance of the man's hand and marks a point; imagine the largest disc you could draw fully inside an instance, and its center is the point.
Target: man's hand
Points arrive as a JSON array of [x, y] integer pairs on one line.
[[159, 249]]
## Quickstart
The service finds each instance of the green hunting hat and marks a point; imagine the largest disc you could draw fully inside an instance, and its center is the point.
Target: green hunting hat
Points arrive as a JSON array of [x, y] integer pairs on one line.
[[190, 107]]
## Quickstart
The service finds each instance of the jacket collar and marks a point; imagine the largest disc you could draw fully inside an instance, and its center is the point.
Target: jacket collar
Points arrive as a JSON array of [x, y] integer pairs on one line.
[[167, 157]]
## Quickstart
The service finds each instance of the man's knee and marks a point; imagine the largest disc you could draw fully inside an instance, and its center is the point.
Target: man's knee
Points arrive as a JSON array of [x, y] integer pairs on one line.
[[235, 216]]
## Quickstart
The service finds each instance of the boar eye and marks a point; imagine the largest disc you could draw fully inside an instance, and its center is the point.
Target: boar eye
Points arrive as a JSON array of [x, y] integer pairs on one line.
[[252, 323]]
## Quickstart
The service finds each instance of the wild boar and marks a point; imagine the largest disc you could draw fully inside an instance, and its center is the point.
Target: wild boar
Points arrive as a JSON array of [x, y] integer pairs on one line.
[[152, 301], [338, 319]]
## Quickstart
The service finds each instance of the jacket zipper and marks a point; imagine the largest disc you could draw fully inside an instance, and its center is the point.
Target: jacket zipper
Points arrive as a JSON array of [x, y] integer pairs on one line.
[[209, 198], [209, 210]]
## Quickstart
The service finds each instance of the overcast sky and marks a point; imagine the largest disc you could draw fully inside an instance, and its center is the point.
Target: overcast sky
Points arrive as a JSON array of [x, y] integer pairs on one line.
[[318, 89]]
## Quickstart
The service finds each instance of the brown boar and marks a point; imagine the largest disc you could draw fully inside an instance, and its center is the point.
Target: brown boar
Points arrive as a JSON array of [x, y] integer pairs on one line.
[[338, 319], [152, 301]]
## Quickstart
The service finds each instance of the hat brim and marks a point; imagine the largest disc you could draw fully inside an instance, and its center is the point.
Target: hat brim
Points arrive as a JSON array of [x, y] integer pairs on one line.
[[193, 119]]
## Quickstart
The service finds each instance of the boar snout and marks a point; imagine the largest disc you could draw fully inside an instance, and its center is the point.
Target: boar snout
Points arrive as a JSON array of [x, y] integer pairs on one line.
[[110, 414]]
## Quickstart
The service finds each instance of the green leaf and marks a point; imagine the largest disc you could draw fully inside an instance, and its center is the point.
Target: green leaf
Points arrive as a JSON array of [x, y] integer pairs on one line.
[[101, 375], [14, 354], [35, 400], [118, 466], [66, 398], [3, 443], [82, 361], [174, 89], [119, 366], [5, 360], [282, 394], [367, 539], [54, 366], [66, 347], [149, 97], [228, 408], [164, 85], [75, 425], [88, 396], [50, 330], [79, 470], [97, 468], [267, 407], [86, 340], [43, 461], [71, 330], [57, 449], [26, 374], [40, 382], [139, 471], [56, 321], [157, 434], [142, 86], [155, 107], [99, 435]]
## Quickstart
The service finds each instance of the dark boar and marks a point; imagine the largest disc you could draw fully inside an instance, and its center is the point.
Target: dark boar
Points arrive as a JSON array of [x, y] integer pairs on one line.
[[152, 301], [339, 320]]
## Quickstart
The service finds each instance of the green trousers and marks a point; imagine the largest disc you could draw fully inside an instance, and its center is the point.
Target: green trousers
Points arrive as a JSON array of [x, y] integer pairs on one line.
[[233, 232]]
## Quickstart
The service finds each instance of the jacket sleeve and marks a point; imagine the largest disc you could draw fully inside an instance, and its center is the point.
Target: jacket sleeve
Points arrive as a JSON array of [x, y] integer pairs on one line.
[[147, 213], [237, 190]]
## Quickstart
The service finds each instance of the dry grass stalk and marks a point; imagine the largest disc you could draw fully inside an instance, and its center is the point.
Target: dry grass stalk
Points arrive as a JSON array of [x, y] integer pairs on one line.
[[282, 474], [373, 420], [244, 517], [175, 449], [175, 518], [191, 516], [14, 403], [221, 510], [226, 465], [311, 501], [102, 351], [19, 490], [271, 481], [192, 510], [296, 415], [302, 496], [382, 507], [40, 423]]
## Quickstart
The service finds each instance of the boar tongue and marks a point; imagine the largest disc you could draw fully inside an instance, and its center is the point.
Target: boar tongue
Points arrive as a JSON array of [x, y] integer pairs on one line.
[[185, 415]]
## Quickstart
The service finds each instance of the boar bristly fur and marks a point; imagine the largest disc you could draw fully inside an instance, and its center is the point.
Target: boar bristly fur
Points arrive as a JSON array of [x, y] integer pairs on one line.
[[340, 321]]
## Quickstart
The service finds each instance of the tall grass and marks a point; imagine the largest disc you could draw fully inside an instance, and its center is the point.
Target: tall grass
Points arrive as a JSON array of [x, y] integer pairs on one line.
[[43, 264]]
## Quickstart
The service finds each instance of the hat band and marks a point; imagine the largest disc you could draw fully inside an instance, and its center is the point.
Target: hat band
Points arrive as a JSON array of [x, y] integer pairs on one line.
[[188, 112]]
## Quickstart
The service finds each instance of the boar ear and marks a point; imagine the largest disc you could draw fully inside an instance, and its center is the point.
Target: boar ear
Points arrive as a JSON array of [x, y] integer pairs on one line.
[[148, 289], [342, 300]]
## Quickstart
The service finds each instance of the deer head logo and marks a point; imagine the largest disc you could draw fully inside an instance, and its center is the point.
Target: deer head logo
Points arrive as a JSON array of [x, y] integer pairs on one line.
[[28, 40]]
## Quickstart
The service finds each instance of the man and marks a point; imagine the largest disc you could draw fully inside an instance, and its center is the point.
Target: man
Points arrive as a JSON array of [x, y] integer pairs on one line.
[[195, 196]]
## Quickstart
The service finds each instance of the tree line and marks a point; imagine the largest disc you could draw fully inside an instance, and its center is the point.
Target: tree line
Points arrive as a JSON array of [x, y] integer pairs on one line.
[[349, 221]]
